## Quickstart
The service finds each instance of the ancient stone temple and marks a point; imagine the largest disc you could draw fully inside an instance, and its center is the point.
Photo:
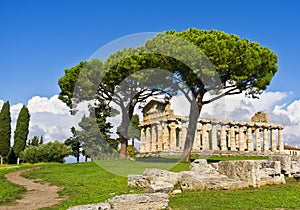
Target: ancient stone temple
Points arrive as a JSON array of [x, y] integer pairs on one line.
[[162, 131]]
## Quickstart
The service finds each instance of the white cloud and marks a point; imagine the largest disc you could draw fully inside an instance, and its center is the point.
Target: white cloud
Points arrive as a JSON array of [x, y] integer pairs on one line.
[[51, 118], [1, 104], [42, 104]]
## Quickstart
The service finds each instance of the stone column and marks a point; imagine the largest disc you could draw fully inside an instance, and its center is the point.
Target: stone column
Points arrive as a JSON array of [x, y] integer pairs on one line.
[[182, 135], [173, 137], [214, 137], [273, 140], [232, 139], [143, 139], [280, 140], [237, 141], [166, 138], [266, 139], [223, 138], [249, 139], [205, 142], [257, 139], [241, 139], [153, 139], [148, 139], [159, 137]]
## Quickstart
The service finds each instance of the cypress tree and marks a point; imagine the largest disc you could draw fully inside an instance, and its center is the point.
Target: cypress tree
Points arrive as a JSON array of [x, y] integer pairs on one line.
[[21, 132], [5, 130]]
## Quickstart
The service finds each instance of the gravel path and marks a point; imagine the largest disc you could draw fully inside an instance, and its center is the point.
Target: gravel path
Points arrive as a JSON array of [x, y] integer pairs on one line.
[[37, 195]]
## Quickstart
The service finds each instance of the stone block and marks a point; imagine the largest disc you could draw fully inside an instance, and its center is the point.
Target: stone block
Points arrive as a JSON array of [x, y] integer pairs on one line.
[[153, 175], [146, 201], [135, 180], [285, 163], [201, 165], [242, 170], [160, 186]]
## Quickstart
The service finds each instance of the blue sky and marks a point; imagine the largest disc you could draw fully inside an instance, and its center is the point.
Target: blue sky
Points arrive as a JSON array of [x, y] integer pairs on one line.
[[39, 39]]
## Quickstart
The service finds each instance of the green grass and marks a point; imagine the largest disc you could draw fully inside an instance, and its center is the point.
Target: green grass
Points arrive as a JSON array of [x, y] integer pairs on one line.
[[83, 183], [86, 183], [8, 191], [125, 167], [268, 197]]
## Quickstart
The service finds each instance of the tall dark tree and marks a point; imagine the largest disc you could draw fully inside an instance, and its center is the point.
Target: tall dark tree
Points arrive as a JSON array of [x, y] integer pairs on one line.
[[21, 132], [5, 131]]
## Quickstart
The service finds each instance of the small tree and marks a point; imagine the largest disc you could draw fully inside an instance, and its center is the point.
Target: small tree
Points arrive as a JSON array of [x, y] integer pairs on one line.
[[35, 141], [5, 131], [75, 144], [21, 132]]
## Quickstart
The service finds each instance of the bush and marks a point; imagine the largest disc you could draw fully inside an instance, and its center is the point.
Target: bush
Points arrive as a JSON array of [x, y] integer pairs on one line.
[[51, 152]]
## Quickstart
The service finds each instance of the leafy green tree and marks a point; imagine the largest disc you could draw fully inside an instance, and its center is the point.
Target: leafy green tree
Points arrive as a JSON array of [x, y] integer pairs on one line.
[[75, 144], [240, 66], [5, 131], [21, 132], [95, 135], [50, 152]]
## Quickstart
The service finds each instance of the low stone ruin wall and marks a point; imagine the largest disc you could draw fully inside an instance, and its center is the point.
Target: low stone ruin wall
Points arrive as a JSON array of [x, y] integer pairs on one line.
[[223, 175], [290, 165]]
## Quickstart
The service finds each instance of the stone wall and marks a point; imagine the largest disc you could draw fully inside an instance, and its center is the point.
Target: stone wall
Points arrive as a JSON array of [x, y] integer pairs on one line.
[[202, 176]]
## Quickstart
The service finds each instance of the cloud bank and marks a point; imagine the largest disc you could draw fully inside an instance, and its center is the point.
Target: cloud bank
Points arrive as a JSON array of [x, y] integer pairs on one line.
[[51, 118]]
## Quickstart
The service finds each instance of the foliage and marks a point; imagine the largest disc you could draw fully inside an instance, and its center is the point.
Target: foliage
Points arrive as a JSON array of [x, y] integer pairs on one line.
[[5, 130], [95, 136], [75, 144], [21, 132], [241, 66], [36, 141], [51, 152]]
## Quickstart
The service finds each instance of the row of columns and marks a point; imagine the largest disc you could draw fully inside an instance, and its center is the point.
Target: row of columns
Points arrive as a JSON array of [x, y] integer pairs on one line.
[[212, 135]]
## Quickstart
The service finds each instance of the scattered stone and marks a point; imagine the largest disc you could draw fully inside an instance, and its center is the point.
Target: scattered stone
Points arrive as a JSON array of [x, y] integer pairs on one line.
[[174, 192], [144, 201], [201, 165], [97, 206], [160, 186], [155, 175]]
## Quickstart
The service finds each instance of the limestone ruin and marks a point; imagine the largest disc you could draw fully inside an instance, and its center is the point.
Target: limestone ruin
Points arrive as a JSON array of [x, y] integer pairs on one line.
[[163, 131]]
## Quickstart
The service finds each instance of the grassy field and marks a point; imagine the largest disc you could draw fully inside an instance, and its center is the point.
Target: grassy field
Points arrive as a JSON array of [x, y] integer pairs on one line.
[[88, 183]]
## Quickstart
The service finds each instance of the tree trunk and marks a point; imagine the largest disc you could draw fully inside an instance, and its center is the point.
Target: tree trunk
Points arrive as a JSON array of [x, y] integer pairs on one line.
[[125, 123], [77, 158], [18, 161], [1, 160], [195, 111]]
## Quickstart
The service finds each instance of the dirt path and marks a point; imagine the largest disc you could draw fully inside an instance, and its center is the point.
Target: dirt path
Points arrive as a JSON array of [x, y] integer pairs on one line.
[[37, 195]]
